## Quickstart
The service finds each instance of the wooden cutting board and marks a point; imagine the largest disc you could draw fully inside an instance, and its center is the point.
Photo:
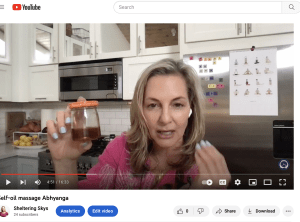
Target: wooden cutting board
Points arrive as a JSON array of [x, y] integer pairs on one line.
[[14, 121]]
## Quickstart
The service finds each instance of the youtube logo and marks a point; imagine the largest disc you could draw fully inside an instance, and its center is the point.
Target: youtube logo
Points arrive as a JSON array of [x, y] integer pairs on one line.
[[16, 7]]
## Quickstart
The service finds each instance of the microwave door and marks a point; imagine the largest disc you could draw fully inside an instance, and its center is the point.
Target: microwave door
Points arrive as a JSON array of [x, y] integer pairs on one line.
[[90, 87]]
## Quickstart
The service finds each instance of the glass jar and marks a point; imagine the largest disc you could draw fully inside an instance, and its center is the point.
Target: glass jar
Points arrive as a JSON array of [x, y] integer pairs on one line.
[[85, 123]]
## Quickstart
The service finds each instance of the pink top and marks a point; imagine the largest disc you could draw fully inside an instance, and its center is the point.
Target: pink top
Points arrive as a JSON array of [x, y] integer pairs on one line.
[[3, 214], [113, 171]]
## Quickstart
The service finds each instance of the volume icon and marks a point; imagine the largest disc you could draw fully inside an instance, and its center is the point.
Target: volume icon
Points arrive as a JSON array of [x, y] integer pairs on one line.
[[37, 182]]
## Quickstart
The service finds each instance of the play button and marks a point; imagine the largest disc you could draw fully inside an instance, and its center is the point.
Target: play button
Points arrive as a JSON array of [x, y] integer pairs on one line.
[[7, 182]]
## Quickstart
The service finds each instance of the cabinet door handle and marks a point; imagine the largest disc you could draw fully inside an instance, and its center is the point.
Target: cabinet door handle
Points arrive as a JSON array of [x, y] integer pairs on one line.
[[96, 46], [249, 28], [40, 98], [139, 45], [53, 51], [91, 50], [239, 29]]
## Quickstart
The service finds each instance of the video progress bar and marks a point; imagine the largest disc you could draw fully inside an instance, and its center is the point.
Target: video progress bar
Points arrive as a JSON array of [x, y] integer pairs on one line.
[[83, 174], [42, 174]]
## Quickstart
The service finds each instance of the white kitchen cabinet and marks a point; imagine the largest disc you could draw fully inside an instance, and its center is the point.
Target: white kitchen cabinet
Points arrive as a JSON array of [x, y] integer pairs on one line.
[[43, 44], [9, 166], [66, 46], [204, 32], [43, 83], [115, 40], [157, 38], [256, 29], [84, 42], [5, 43], [77, 48], [76, 42], [133, 68], [5, 83]]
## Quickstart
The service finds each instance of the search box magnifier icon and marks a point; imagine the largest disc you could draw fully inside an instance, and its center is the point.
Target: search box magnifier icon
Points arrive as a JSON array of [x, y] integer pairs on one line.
[[291, 6]]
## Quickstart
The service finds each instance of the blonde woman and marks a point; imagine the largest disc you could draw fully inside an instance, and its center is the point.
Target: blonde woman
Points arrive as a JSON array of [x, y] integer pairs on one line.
[[161, 149], [3, 212]]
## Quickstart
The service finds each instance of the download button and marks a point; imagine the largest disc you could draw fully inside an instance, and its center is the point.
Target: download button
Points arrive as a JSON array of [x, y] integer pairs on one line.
[[102, 211]]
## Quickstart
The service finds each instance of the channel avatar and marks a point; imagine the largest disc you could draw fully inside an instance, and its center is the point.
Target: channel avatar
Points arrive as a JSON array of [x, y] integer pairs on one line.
[[4, 212]]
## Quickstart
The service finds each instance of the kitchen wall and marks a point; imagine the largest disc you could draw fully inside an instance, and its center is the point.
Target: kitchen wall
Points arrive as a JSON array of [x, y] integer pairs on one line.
[[114, 116]]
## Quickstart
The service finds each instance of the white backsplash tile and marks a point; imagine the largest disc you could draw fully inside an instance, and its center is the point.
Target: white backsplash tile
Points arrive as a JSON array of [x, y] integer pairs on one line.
[[104, 121], [101, 115], [122, 115], [103, 108], [108, 133], [102, 127], [126, 108], [111, 128], [126, 122], [115, 121], [116, 108], [110, 115], [124, 128]]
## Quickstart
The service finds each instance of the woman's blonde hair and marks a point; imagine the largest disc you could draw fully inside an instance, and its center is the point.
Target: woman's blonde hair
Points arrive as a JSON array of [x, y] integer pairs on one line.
[[138, 137], [3, 207]]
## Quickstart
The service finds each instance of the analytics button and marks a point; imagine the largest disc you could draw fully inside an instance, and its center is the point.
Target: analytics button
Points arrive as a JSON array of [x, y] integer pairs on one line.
[[70, 211], [102, 211]]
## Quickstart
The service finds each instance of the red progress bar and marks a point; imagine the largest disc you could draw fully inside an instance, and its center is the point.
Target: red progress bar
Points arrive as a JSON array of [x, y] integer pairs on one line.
[[40, 174]]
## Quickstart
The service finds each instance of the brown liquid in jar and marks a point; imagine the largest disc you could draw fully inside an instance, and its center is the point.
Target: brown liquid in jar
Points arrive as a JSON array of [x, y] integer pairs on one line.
[[90, 133]]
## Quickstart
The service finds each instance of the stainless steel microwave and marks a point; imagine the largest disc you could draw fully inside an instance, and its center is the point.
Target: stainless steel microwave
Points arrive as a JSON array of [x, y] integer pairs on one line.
[[97, 80]]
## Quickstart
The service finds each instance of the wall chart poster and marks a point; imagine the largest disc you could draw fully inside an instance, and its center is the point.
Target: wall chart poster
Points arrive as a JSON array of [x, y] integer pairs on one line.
[[253, 83]]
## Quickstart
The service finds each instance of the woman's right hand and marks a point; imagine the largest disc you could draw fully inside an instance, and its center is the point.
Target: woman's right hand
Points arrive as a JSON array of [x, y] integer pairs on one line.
[[211, 166], [61, 145]]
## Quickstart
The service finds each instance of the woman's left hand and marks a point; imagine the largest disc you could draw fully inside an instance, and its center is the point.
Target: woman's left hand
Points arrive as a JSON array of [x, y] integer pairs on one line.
[[211, 165]]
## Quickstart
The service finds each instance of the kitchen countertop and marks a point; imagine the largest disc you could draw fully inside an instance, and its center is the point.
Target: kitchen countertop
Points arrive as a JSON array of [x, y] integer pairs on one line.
[[7, 150]]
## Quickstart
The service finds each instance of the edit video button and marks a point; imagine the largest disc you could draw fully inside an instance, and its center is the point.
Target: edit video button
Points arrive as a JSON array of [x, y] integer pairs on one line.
[[70, 211], [102, 211]]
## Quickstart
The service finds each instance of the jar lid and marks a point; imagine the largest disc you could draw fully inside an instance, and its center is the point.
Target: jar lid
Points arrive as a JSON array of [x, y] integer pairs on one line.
[[83, 104]]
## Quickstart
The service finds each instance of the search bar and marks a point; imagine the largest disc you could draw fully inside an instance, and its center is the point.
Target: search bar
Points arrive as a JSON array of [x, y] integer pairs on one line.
[[180, 7]]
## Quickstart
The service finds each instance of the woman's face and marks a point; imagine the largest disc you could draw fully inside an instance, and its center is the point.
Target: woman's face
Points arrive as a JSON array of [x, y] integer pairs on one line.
[[166, 108]]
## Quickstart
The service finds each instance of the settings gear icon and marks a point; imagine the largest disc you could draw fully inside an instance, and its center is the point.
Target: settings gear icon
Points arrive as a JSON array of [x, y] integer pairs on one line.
[[237, 182]]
